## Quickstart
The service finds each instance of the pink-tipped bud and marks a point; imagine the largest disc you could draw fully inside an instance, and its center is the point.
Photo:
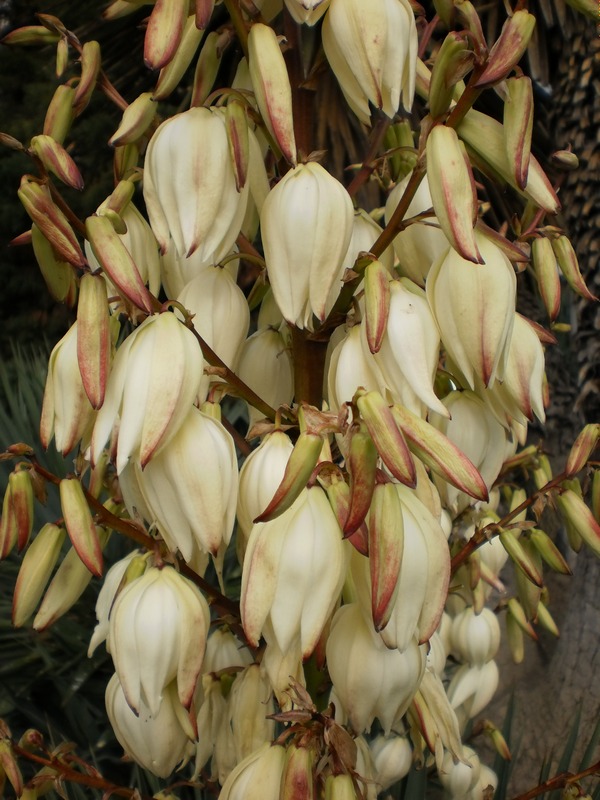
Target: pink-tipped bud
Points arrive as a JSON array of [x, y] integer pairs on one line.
[[164, 32], [518, 127], [56, 160], [507, 50], [80, 526]]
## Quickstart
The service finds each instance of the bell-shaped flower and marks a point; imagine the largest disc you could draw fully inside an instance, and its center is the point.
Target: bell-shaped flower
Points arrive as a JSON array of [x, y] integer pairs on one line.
[[392, 758], [282, 666], [158, 629], [190, 486], [476, 432], [154, 381], [249, 703], [306, 224], [409, 352], [190, 185], [258, 776], [472, 688], [370, 679], [419, 244], [474, 306], [67, 413], [265, 365], [351, 366], [221, 314], [157, 741], [260, 477], [308, 12], [293, 572], [475, 637], [460, 777], [372, 49], [523, 382]]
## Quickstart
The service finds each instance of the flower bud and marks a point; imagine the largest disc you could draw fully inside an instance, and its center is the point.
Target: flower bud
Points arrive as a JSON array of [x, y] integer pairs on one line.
[[453, 192], [116, 260], [66, 587], [30, 36], [460, 777], [90, 69], [508, 49], [93, 337], [472, 688], [583, 448], [161, 363], [518, 127], [272, 90], [304, 254], [474, 306], [37, 202], [370, 679], [546, 272], [452, 62], [179, 617], [136, 119], [377, 303], [157, 740], [189, 185], [172, 73], [569, 266], [387, 436], [207, 68], [60, 114], [58, 275], [575, 512], [34, 572], [372, 49], [164, 32], [66, 411], [485, 136], [56, 160], [80, 526]]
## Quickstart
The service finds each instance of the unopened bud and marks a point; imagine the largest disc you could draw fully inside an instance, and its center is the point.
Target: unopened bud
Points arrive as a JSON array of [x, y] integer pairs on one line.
[[80, 526], [136, 120], [30, 36], [575, 512], [546, 272], [207, 68], [569, 266], [453, 192], [399, 139], [377, 303], [38, 203], [386, 546], [172, 73], [546, 620], [56, 160], [34, 573], [518, 127], [387, 436], [62, 56], [452, 63], [549, 551], [93, 337], [583, 448], [272, 89], [565, 159], [8, 763], [497, 739], [21, 491], [239, 146], [90, 69], [302, 461], [508, 49], [520, 558], [164, 32], [362, 465], [60, 113]]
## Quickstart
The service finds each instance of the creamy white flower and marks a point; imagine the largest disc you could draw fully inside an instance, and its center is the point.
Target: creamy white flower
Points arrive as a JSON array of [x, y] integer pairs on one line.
[[189, 185], [156, 740], [306, 224], [372, 49], [158, 629], [265, 365], [475, 637], [308, 12]]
